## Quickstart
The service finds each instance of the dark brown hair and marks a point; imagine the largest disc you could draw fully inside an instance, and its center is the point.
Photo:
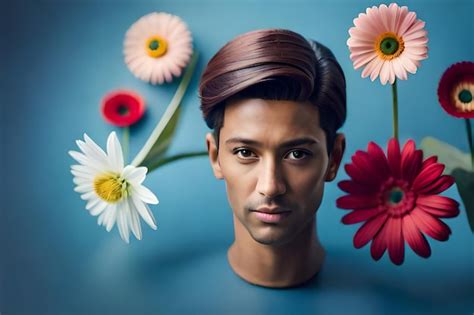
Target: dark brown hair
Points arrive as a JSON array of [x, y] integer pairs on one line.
[[274, 64]]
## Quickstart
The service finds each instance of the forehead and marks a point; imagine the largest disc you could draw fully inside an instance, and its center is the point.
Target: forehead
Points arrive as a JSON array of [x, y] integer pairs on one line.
[[271, 119]]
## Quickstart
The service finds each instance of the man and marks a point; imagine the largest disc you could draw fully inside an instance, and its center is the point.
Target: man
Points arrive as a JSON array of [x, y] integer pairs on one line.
[[275, 101]]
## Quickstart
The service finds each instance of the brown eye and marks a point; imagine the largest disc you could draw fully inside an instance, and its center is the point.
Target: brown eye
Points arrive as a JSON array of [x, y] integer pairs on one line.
[[243, 153], [297, 155]]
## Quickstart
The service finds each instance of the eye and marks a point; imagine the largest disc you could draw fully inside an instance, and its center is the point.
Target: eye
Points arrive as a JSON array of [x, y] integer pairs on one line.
[[244, 153], [298, 155]]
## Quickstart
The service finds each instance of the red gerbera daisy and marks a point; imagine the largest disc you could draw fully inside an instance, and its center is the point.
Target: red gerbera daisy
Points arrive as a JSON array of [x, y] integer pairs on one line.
[[122, 108], [396, 196], [456, 90]]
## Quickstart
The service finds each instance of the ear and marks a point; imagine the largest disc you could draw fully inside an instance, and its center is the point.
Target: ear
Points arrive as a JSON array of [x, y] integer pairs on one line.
[[213, 155], [336, 157]]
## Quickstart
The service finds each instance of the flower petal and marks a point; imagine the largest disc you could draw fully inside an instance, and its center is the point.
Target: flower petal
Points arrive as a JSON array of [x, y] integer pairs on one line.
[[415, 239], [92, 202], [440, 213], [429, 161], [363, 59], [385, 72], [137, 175], [114, 151], [415, 30], [411, 161], [438, 185], [85, 161], [400, 71], [111, 217], [372, 69], [438, 202], [135, 225], [144, 212], [98, 150], [88, 195], [96, 158], [378, 159], [98, 208], [379, 244], [368, 230], [394, 157], [84, 188], [122, 223], [85, 171], [357, 202], [386, 17], [427, 176], [81, 180], [408, 64], [358, 175], [145, 194], [355, 188], [430, 225], [407, 22], [361, 215], [363, 161], [395, 243], [377, 67], [100, 219]]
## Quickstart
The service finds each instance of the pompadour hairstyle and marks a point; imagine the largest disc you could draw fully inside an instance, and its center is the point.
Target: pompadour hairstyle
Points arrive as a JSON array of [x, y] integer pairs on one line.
[[274, 64]]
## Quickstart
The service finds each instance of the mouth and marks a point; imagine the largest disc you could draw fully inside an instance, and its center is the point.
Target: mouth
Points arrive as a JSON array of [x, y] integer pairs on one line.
[[274, 215], [276, 210]]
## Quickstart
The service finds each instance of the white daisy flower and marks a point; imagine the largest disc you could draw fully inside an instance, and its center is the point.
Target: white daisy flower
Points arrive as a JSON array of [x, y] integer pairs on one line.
[[113, 192], [157, 47]]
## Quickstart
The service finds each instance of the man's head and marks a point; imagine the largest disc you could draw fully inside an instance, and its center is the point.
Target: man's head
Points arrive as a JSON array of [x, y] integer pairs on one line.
[[275, 102]]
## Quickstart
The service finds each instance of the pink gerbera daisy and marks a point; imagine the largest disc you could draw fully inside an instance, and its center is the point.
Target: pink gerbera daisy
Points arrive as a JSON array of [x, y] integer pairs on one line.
[[158, 47], [388, 41], [397, 197]]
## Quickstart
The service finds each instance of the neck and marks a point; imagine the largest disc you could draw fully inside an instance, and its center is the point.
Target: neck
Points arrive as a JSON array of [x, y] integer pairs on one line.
[[285, 265]]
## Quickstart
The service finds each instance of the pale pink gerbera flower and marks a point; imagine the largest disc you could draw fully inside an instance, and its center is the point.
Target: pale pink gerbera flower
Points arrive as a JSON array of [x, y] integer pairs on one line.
[[388, 41], [157, 47]]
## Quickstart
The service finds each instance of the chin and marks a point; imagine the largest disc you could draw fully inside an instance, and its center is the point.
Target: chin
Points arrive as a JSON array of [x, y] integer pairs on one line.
[[271, 235]]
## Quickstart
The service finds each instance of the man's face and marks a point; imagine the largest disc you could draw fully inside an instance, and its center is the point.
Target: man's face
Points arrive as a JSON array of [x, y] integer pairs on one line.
[[272, 154]]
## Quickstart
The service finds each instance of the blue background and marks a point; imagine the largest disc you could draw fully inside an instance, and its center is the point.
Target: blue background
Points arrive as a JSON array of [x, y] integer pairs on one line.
[[58, 59]]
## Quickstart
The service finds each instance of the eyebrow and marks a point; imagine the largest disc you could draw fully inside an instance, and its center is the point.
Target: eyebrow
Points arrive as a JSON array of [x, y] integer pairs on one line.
[[289, 143]]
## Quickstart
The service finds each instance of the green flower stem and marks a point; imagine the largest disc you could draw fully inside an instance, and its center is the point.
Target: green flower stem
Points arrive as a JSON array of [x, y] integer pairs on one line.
[[395, 109], [470, 139], [126, 139], [175, 101], [173, 158]]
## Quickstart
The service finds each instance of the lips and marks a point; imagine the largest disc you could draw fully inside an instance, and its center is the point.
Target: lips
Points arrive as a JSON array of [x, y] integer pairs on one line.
[[271, 210], [274, 215]]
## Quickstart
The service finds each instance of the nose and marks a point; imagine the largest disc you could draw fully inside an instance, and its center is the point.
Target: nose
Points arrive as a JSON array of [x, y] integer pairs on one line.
[[271, 181]]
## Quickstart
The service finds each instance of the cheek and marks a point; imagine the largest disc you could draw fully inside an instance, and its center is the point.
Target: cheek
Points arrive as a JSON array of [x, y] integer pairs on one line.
[[308, 186], [238, 183]]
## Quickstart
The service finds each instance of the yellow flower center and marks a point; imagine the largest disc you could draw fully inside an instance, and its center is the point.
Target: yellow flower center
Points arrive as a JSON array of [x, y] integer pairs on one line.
[[110, 187], [462, 97], [156, 46], [389, 45]]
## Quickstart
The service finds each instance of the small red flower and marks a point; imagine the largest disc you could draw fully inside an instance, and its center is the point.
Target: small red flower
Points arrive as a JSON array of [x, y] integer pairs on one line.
[[122, 108], [456, 90], [397, 197]]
